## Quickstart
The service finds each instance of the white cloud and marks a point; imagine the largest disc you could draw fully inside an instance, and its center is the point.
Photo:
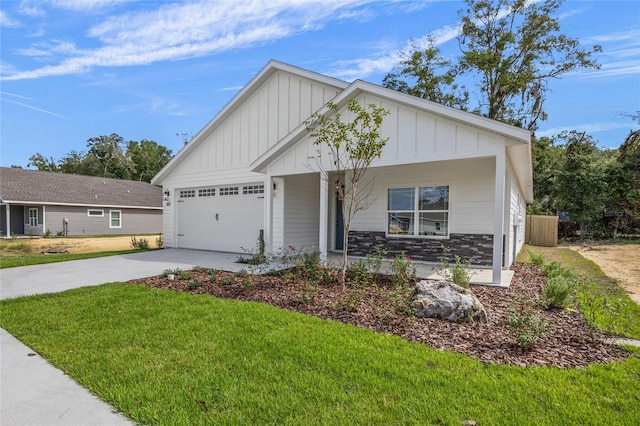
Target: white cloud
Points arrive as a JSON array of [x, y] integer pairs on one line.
[[7, 22], [184, 30], [86, 4]]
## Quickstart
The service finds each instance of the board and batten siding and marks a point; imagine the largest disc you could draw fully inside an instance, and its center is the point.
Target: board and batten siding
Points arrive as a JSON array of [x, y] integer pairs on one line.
[[415, 136], [302, 211], [134, 221], [280, 105], [471, 185], [272, 111]]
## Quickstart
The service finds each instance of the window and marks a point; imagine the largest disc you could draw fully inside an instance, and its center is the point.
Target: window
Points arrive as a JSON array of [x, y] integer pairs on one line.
[[33, 217], [188, 193], [95, 213], [418, 211], [231, 190], [115, 219], [206, 192], [253, 189]]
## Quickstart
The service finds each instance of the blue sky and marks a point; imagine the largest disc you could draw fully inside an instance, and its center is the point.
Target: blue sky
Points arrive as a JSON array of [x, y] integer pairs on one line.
[[75, 69]]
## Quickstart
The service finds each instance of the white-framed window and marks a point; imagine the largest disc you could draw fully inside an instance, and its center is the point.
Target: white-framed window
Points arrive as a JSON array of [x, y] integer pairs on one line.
[[420, 211], [230, 190], [206, 192], [115, 219], [253, 189], [95, 213], [188, 193], [33, 216]]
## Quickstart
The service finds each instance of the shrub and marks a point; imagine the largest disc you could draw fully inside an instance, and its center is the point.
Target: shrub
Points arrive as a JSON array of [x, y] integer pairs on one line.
[[60, 234], [555, 269], [536, 258], [227, 281], [46, 234], [558, 292], [374, 261], [141, 244], [460, 273], [526, 327], [195, 284], [403, 271], [176, 272], [160, 241], [358, 273]]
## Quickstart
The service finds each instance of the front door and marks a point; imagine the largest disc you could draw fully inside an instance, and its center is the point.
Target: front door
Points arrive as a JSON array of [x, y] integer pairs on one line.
[[339, 224]]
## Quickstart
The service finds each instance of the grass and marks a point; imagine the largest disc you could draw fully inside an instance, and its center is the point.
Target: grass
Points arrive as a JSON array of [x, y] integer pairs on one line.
[[38, 259], [602, 301], [165, 357], [24, 252]]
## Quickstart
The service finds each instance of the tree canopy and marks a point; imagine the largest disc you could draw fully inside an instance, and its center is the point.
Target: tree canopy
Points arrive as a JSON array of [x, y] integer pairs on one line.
[[510, 49], [109, 156]]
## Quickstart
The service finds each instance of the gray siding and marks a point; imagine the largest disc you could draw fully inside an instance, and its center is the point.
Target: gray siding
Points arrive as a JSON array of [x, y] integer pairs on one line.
[[133, 221]]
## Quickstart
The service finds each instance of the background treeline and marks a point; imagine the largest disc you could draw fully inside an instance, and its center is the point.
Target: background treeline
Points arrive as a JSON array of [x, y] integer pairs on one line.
[[598, 189], [110, 156]]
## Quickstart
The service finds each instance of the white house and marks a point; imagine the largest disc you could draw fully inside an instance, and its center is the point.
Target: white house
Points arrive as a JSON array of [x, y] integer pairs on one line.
[[446, 177]]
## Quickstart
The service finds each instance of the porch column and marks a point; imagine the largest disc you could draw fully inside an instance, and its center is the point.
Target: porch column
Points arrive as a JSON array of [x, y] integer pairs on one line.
[[498, 216], [324, 217], [268, 214], [8, 220]]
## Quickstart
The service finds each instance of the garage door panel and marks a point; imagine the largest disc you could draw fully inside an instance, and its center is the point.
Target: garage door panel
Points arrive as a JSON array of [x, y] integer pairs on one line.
[[224, 223]]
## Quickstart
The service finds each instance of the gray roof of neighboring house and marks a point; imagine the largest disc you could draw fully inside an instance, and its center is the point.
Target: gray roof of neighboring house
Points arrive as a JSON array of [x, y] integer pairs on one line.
[[36, 187]]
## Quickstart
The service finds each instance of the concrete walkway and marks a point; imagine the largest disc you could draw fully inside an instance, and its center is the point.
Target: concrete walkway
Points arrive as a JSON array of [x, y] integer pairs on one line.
[[32, 391]]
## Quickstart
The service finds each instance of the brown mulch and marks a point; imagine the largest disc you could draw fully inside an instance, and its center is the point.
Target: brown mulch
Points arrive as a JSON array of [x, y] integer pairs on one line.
[[571, 343]]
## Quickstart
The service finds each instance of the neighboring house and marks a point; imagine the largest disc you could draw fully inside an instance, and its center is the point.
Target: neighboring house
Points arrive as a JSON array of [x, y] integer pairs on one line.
[[34, 202], [446, 177]]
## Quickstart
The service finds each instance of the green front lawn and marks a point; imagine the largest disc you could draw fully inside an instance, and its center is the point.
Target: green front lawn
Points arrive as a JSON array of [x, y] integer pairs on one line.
[[165, 357], [38, 259]]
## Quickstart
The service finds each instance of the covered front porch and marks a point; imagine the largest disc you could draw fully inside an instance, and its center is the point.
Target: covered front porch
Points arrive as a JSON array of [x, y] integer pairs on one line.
[[304, 211]]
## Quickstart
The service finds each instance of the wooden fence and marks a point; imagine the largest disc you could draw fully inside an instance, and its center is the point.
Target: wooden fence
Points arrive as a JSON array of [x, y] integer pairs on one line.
[[541, 231]]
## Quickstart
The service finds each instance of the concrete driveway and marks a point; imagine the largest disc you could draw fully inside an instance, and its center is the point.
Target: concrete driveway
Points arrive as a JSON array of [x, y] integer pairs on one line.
[[32, 392]]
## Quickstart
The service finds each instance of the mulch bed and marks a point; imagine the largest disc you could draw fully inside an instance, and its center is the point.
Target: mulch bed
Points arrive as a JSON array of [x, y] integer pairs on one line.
[[570, 344]]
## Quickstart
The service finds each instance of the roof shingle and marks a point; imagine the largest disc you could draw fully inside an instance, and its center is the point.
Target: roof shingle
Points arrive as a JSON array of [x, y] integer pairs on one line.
[[33, 186]]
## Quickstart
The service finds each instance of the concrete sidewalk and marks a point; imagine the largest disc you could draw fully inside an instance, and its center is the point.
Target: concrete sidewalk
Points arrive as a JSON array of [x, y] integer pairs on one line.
[[32, 391]]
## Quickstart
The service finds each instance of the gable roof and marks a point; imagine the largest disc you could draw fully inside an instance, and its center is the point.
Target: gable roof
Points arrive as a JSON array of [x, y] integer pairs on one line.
[[37, 187], [245, 93], [518, 140]]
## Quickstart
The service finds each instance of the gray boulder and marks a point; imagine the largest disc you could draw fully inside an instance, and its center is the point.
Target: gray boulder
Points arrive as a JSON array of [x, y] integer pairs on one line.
[[446, 300]]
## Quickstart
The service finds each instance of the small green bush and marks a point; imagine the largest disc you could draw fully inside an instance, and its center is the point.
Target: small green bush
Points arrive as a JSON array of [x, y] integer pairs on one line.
[[46, 234], [536, 258], [558, 292], [227, 281], [195, 284], [141, 244], [555, 269], [159, 241], [403, 271], [358, 273], [526, 327]]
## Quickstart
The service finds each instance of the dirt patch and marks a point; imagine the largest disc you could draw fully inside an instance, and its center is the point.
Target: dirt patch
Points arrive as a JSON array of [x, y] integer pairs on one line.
[[89, 245], [620, 261], [569, 343]]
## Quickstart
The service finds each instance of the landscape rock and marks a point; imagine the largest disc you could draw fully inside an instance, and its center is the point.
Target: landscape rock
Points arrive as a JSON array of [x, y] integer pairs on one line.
[[446, 300]]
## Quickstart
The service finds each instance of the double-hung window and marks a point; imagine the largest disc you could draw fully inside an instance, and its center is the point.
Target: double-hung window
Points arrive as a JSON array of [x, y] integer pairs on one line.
[[115, 219], [418, 211], [33, 217]]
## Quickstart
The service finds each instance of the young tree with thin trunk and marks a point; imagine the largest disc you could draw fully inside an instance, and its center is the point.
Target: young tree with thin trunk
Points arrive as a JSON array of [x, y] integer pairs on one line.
[[352, 142]]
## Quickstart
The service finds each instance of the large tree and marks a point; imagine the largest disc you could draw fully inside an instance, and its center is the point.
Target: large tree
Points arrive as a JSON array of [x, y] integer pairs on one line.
[[510, 49], [352, 143], [581, 185], [424, 73], [110, 156], [148, 157]]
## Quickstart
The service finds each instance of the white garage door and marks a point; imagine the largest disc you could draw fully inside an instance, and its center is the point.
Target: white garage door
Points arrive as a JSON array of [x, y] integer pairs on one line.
[[220, 218]]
